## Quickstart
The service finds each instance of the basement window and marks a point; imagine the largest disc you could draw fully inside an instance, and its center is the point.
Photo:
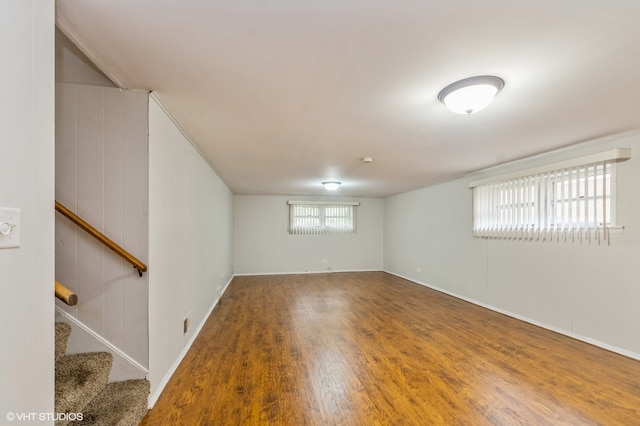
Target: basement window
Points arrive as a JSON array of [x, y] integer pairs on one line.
[[569, 201], [321, 217]]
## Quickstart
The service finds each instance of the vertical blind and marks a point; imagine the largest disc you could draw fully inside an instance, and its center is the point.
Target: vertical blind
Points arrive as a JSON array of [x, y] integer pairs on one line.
[[575, 202], [313, 217]]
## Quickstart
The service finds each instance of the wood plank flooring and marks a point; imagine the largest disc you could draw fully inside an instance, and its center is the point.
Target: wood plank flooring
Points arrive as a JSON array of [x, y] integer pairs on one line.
[[373, 349]]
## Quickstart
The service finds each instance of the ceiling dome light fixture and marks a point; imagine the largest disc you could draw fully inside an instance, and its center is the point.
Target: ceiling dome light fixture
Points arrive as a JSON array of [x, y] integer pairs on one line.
[[471, 94], [331, 185]]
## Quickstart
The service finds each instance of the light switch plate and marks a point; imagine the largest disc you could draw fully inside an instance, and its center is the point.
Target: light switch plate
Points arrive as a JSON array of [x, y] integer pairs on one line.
[[12, 217]]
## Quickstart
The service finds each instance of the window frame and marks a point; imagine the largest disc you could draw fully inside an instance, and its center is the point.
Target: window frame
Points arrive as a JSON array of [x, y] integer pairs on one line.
[[528, 204], [298, 227]]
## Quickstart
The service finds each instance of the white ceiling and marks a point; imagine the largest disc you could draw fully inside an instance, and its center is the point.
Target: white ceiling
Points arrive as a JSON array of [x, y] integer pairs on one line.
[[283, 94]]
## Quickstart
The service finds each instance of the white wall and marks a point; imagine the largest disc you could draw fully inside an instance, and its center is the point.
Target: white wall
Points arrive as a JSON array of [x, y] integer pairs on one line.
[[26, 177], [73, 66], [263, 244], [190, 243], [102, 171], [588, 291]]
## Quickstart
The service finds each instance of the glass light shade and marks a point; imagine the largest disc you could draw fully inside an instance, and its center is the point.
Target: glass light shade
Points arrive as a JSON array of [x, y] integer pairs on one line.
[[331, 186], [471, 95]]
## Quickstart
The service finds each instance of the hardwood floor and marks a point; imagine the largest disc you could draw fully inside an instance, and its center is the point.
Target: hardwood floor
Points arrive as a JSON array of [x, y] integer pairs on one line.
[[374, 349]]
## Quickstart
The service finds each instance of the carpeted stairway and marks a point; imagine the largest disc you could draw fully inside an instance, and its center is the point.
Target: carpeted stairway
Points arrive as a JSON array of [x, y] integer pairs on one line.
[[81, 387]]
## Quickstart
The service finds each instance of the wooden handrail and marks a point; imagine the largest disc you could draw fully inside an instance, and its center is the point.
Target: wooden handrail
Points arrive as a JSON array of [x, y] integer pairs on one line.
[[141, 267], [66, 295]]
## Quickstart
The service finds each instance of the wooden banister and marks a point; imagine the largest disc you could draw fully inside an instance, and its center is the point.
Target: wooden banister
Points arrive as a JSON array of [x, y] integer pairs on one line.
[[66, 295], [141, 267]]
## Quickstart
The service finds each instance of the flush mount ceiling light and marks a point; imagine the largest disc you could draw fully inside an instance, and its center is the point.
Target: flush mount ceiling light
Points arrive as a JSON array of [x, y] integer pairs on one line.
[[471, 94], [331, 185]]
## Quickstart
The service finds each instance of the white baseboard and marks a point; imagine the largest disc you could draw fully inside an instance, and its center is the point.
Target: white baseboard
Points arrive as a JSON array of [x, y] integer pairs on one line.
[[101, 344], [307, 272], [555, 329], [153, 398]]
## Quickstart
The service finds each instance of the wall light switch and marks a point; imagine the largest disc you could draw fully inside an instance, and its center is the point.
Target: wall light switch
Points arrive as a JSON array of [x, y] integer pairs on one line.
[[9, 227]]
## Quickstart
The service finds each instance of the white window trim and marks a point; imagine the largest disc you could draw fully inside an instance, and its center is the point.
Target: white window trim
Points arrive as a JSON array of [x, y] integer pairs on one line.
[[616, 154], [322, 229], [332, 203]]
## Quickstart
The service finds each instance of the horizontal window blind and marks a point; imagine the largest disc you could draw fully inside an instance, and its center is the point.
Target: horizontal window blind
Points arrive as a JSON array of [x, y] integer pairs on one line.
[[572, 203], [315, 218]]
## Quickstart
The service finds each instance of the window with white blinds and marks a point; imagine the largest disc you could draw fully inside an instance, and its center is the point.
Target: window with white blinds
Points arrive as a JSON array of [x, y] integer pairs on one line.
[[320, 217], [574, 200]]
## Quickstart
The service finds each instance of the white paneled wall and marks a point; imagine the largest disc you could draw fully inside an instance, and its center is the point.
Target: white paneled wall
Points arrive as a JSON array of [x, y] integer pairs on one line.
[[102, 166]]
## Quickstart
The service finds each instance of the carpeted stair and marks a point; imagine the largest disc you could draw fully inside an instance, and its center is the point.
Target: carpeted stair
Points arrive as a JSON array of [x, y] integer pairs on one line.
[[81, 387]]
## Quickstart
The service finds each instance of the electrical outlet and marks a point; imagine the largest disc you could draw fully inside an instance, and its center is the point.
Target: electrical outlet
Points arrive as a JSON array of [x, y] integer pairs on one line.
[[185, 323], [419, 269]]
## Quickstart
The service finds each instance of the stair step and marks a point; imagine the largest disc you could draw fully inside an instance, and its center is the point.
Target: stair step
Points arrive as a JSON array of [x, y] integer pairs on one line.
[[63, 330], [79, 378], [119, 404]]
